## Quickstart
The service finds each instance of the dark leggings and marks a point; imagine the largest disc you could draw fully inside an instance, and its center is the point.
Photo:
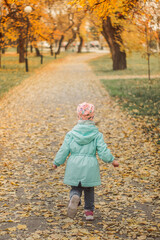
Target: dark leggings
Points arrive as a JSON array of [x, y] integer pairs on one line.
[[88, 196]]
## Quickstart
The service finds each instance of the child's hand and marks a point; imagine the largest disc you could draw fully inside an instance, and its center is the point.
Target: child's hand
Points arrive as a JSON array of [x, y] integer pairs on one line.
[[54, 166], [115, 163]]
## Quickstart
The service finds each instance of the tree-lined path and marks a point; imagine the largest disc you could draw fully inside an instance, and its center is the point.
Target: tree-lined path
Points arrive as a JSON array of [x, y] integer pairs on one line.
[[34, 118]]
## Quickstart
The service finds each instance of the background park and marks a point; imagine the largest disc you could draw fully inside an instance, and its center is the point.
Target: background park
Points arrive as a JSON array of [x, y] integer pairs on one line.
[[55, 54]]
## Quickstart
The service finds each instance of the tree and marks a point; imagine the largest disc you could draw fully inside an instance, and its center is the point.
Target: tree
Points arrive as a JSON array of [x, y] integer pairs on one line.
[[1, 34], [76, 29], [111, 13], [67, 22], [19, 24], [51, 31], [146, 21], [112, 34], [64, 16], [41, 23], [141, 31]]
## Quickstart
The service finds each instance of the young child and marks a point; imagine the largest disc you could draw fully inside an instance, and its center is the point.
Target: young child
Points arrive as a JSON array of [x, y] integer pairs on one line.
[[82, 170]]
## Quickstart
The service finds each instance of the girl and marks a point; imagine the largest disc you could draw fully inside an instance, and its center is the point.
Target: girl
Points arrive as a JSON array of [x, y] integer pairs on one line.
[[82, 170]]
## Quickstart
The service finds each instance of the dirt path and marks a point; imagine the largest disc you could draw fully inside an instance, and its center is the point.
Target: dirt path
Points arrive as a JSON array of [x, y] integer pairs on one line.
[[34, 119]]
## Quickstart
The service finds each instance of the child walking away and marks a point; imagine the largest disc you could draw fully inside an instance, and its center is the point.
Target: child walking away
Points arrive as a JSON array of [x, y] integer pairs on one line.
[[82, 170]]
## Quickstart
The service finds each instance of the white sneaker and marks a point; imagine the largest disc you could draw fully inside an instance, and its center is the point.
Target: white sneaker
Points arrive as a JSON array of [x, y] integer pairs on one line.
[[73, 205]]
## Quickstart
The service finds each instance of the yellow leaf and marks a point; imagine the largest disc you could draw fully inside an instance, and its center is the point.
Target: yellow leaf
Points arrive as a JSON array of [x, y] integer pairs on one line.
[[94, 238], [22, 227], [66, 225], [74, 231], [104, 168], [84, 231], [50, 220], [152, 229], [98, 206], [12, 229], [15, 184]]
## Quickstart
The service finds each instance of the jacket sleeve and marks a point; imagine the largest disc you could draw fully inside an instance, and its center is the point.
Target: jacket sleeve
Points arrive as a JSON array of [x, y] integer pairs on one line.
[[102, 150], [63, 152]]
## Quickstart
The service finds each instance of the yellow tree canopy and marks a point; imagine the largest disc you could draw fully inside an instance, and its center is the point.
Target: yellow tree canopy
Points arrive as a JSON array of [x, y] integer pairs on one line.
[[14, 19], [115, 9], [106, 8], [135, 16]]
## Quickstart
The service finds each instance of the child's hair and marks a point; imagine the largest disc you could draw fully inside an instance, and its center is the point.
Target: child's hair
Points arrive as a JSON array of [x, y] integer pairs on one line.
[[85, 111]]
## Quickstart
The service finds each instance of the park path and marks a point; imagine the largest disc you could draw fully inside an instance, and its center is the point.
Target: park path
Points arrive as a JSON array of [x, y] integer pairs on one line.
[[34, 118]]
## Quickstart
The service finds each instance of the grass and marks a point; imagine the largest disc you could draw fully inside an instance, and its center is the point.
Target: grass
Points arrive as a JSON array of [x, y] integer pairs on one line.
[[139, 96], [13, 73], [136, 65]]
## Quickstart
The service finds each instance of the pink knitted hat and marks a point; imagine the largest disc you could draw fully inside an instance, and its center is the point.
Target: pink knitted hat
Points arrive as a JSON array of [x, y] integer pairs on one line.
[[85, 111]]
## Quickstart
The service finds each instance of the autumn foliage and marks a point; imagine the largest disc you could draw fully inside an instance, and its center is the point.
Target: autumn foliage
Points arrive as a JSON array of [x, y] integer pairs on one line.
[[49, 21], [15, 23], [56, 21], [117, 17]]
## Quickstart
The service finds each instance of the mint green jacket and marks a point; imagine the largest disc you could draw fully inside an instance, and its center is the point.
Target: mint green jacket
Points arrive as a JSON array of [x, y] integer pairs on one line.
[[81, 145]]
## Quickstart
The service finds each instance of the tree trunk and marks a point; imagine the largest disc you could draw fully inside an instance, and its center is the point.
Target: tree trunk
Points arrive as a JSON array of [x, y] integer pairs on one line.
[[51, 49], [80, 44], [21, 48], [31, 48], [158, 42], [2, 42], [60, 44], [69, 43], [38, 54], [113, 37], [71, 40], [18, 48], [0, 58], [3, 50]]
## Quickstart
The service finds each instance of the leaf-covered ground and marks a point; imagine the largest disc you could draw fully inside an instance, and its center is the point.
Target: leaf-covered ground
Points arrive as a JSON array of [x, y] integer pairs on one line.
[[34, 119]]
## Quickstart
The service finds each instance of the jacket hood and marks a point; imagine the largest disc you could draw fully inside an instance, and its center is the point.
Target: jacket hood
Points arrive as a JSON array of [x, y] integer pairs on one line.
[[84, 133]]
